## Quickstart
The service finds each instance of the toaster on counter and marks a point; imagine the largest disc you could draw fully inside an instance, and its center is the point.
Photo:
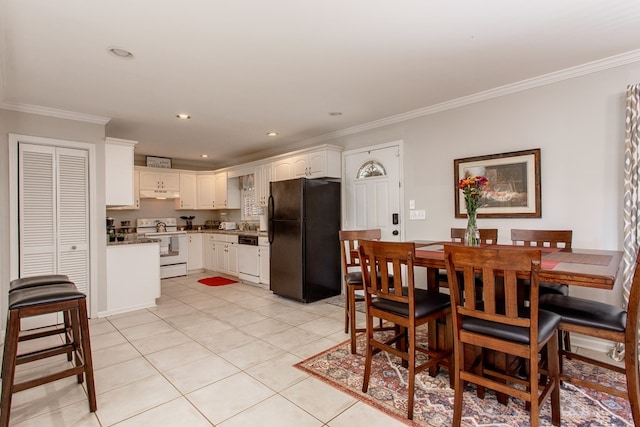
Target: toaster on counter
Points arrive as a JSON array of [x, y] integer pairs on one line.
[[225, 225]]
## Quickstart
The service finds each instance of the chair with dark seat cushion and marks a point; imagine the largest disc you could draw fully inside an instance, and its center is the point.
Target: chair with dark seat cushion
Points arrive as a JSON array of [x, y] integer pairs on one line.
[[399, 302], [608, 322], [42, 298], [352, 275], [549, 239], [499, 321]]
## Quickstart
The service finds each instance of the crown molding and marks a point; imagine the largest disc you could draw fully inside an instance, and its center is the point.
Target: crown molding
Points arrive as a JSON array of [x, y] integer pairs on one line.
[[54, 112], [545, 79]]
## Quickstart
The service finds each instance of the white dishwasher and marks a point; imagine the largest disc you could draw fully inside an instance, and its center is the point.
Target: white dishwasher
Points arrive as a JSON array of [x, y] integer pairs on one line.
[[248, 259]]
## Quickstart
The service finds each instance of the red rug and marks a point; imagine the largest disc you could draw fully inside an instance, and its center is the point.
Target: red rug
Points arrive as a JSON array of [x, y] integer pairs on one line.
[[216, 281]]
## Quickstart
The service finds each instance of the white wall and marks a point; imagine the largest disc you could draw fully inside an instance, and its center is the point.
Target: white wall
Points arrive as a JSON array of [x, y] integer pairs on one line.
[[579, 126]]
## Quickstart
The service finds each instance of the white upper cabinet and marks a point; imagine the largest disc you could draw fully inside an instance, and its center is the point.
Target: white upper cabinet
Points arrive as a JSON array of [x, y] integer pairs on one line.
[[227, 192], [119, 183], [188, 191], [262, 178], [155, 182], [282, 169], [325, 162], [206, 189], [136, 195]]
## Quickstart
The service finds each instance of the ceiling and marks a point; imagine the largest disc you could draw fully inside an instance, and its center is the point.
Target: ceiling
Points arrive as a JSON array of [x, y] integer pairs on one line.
[[243, 68]]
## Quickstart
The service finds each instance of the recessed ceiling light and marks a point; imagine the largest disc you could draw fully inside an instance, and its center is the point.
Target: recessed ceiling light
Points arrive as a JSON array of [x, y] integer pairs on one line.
[[120, 53], [183, 116], [204, 156], [335, 113], [272, 133]]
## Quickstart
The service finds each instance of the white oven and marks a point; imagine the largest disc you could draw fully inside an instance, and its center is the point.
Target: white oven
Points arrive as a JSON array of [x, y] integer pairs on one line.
[[174, 245]]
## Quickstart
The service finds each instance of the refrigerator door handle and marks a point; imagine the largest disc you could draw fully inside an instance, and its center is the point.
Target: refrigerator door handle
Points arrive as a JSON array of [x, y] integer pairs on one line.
[[270, 208]]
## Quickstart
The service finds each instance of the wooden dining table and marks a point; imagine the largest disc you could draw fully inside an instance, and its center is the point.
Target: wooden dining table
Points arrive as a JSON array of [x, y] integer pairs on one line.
[[592, 268]]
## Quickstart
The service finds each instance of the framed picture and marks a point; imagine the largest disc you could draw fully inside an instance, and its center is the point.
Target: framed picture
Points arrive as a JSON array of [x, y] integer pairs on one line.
[[513, 190], [159, 162]]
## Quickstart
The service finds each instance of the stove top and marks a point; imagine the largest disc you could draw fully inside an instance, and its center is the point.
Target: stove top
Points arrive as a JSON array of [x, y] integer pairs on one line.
[[149, 226]]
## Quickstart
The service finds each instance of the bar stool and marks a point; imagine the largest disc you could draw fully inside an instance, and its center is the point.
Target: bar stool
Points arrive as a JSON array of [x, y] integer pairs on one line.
[[44, 298], [47, 280]]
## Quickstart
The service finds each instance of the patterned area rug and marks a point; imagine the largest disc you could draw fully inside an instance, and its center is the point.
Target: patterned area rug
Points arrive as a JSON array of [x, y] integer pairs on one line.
[[338, 300], [434, 398]]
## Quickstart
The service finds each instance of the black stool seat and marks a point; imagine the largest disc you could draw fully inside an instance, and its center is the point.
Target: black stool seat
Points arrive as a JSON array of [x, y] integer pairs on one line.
[[34, 281], [28, 297]]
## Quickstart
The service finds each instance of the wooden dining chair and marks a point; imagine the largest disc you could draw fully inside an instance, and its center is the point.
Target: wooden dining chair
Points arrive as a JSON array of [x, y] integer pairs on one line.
[[604, 321], [401, 303], [549, 239], [488, 236], [499, 321], [352, 277]]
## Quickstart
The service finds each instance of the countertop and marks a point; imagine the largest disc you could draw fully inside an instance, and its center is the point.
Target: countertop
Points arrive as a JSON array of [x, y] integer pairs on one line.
[[134, 241], [235, 232]]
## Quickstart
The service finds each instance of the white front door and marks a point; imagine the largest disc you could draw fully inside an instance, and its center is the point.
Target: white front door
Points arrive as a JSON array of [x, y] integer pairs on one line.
[[372, 197]]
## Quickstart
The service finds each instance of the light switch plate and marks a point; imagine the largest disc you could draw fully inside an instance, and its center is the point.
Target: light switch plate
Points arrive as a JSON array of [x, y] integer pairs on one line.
[[417, 214], [412, 204]]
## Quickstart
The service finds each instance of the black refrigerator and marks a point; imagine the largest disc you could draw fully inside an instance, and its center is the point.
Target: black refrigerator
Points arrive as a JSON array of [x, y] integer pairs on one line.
[[304, 220]]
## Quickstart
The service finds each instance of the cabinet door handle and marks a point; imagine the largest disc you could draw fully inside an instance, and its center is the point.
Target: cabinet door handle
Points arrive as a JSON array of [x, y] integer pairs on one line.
[[74, 247]]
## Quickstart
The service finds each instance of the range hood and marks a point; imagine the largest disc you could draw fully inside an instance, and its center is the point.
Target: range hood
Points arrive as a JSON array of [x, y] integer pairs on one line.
[[159, 194]]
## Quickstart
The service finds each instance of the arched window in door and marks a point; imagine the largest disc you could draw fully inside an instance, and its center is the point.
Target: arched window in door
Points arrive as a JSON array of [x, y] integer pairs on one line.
[[371, 168]]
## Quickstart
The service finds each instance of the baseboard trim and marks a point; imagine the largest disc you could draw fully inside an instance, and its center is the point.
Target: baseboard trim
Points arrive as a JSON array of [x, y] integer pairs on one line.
[[595, 344]]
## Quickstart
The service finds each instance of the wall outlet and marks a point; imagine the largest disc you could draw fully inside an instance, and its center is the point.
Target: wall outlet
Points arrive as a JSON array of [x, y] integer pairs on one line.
[[417, 214]]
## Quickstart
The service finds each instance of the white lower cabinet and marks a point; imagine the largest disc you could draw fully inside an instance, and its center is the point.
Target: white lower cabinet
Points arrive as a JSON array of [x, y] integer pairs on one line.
[[226, 253], [195, 259], [209, 252], [263, 254], [133, 277]]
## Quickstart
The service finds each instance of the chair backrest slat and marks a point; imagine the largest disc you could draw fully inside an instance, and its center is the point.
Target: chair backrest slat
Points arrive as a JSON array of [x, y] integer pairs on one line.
[[488, 236], [382, 264], [349, 246], [542, 238], [501, 269]]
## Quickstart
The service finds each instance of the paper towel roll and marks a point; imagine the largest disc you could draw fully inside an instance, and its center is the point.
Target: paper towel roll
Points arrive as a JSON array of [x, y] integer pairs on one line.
[[263, 223]]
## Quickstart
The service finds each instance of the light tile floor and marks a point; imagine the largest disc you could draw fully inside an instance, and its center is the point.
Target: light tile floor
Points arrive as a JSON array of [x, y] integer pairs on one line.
[[203, 356]]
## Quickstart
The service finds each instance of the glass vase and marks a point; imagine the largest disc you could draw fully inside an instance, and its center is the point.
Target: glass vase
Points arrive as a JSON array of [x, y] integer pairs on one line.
[[472, 234]]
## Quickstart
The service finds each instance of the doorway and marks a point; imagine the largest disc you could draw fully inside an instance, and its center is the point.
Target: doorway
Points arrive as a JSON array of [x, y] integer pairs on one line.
[[372, 196]]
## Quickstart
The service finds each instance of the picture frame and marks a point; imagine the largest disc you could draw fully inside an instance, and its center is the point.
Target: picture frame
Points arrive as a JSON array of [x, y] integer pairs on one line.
[[513, 190], [158, 162]]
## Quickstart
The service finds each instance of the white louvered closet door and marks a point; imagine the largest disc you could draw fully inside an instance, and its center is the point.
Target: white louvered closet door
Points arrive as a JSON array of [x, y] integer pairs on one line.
[[54, 212], [73, 216], [37, 210]]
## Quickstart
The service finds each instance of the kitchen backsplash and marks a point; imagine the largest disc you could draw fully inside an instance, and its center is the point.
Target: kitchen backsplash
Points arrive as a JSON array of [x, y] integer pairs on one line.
[[154, 208]]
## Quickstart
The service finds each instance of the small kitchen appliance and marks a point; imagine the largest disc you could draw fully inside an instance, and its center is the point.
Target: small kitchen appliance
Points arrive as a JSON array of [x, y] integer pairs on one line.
[[111, 229], [226, 225]]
